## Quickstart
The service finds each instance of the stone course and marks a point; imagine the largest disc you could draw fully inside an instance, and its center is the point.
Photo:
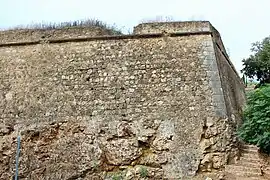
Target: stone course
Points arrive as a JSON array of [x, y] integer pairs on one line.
[[28, 35]]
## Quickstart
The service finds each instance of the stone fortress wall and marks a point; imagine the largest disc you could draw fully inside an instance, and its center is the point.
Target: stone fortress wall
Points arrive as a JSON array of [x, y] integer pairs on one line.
[[35, 35], [162, 103]]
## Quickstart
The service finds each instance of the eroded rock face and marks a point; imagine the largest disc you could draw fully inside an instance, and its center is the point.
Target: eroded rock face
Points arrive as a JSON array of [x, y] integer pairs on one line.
[[122, 151], [67, 150], [87, 150]]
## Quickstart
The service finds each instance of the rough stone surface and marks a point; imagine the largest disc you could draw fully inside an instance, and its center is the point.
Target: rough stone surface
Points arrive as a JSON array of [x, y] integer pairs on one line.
[[132, 108], [251, 165], [172, 27], [24, 35]]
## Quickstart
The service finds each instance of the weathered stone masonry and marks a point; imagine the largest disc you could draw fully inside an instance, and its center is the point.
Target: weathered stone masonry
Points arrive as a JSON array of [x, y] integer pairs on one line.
[[160, 101]]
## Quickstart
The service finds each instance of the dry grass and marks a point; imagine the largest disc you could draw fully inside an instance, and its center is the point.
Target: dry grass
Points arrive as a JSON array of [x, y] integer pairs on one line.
[[70, 24]]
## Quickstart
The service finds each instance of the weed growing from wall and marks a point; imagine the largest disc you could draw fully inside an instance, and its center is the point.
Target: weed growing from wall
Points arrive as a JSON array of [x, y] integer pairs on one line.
[[143, 172], [117, 177]]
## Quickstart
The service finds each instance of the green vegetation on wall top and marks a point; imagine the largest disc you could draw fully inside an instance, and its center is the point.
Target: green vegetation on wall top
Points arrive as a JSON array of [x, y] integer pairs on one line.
[[70, 24]]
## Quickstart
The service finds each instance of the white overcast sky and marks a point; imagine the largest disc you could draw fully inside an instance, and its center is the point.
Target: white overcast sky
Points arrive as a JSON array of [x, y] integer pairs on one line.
[[240, 22]]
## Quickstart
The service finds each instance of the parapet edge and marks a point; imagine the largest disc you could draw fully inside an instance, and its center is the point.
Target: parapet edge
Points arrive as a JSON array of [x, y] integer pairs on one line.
[[23, 35], [102, 38], [172, 27]]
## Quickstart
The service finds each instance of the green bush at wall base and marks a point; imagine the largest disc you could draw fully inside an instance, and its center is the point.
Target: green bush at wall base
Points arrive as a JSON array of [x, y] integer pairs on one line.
[[256, 127]]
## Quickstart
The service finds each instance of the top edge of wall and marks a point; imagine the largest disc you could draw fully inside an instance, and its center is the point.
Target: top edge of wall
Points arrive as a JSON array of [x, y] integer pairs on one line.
[[172, 27], [30, 35], [22, 35]]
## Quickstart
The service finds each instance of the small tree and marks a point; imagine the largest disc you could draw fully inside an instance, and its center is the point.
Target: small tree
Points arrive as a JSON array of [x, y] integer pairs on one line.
[[258, 64], [256, 127]]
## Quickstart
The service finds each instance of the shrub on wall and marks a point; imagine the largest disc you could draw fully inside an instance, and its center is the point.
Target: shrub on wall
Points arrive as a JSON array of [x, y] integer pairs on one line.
[[256, 127]]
